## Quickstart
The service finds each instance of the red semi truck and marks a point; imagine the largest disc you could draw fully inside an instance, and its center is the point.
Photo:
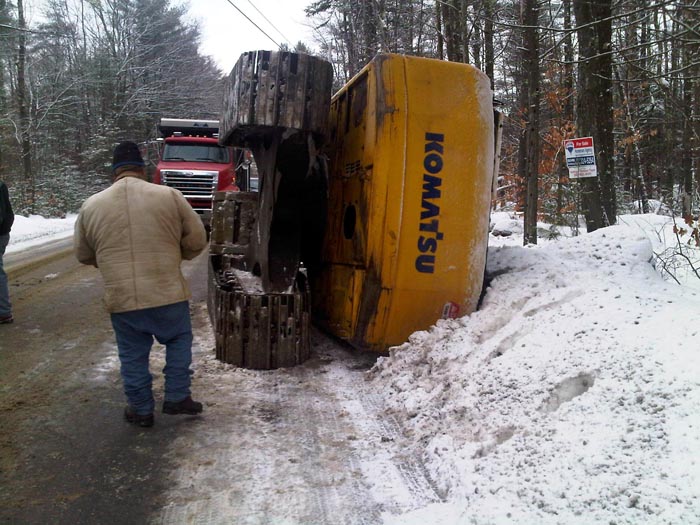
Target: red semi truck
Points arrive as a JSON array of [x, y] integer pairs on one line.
[[192, 161]]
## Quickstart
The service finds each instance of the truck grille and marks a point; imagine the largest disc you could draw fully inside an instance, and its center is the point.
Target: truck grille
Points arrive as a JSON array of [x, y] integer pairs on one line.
[[193, 184]]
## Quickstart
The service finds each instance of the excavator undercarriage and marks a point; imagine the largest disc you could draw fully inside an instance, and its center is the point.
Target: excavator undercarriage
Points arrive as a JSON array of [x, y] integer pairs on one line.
[[373, 205], [277, 106]]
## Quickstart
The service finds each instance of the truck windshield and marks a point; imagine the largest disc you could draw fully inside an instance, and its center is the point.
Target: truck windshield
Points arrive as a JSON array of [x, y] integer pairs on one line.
[[195, 152]]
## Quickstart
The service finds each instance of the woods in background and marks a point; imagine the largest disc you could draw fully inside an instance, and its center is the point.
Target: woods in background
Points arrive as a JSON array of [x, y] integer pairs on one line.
[[97, 73], [625, 72]]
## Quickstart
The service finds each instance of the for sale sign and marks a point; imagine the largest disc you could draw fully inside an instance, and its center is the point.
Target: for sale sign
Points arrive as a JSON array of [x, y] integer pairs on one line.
[[580, 158]]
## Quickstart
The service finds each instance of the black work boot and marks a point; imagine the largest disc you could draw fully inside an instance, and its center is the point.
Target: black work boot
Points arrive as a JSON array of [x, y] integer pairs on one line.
[[142, 420], [186, 406]]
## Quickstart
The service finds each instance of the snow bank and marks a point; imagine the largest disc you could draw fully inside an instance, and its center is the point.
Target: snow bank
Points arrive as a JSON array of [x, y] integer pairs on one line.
[[571, 397], [35, 230], [676, 254]]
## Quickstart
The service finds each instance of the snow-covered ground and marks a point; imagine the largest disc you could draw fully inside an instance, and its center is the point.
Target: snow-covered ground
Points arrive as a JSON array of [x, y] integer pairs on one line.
[[35, 230], [571, 397]]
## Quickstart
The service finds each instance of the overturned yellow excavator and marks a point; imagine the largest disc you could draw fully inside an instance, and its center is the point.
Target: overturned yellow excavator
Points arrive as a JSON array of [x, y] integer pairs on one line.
[[373, 205]]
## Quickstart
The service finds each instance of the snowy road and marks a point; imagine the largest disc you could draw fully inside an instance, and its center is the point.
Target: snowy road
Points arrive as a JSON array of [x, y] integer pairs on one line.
[[308, 445], [65, 454], [293, 446], [21, 262]]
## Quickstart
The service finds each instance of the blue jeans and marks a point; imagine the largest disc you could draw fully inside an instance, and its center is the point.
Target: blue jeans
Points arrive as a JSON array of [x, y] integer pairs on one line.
[[171, 326], [5, 308]]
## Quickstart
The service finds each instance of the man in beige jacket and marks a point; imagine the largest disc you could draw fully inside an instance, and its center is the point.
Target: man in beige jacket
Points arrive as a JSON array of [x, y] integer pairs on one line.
[[137, 234]]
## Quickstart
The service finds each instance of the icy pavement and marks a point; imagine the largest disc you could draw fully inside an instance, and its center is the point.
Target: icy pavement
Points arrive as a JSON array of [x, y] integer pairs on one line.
[[303, 445]]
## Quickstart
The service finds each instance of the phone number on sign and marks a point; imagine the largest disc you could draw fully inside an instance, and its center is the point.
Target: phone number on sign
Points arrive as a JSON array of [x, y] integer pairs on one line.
[[581, 161]]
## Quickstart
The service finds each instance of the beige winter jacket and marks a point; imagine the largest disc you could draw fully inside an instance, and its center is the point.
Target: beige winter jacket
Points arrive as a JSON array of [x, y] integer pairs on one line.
[[137, 234]]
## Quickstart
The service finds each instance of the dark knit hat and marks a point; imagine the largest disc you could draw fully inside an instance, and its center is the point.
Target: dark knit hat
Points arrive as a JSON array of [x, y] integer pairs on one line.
[[127, 154]]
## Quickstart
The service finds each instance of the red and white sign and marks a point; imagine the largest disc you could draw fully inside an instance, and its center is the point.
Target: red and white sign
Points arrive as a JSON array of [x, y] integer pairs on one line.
[[580, 157], [450, 310]]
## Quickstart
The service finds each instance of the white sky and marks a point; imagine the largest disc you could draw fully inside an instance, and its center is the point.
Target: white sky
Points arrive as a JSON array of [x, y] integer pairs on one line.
[[226, 33]]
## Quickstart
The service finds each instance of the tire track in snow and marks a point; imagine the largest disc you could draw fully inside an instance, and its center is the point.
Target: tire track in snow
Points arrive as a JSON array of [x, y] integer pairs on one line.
[[399, 480], [310, 444], [410, 468]]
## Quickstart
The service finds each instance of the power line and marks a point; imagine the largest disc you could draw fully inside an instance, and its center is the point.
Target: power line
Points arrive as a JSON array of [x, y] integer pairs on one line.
[[268, 21], [256, 25]]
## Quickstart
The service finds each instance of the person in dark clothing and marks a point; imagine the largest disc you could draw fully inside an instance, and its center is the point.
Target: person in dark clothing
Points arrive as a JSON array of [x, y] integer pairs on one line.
[[6, 220]]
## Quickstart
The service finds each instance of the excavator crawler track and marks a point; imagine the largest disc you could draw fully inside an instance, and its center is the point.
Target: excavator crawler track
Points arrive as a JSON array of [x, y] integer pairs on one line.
[[276, 105], [259, 330]]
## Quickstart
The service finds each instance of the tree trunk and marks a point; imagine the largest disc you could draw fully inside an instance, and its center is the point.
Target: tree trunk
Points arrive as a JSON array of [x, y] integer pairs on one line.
[[453, 21], [691, 140], [595, 108], [489, 13], [23, 107], [568, 117], [531, 64], [440, 36]]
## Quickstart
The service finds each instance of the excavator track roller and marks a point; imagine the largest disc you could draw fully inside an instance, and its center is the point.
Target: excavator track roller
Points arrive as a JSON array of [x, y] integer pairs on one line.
[[259, 330]]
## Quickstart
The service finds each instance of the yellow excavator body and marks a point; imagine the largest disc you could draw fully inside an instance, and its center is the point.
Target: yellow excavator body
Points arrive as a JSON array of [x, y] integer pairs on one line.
[[411, 167]]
